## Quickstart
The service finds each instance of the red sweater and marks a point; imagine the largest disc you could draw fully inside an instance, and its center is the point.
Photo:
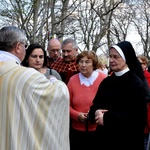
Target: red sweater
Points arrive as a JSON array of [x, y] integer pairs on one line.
[[147, 129], [81, 97]]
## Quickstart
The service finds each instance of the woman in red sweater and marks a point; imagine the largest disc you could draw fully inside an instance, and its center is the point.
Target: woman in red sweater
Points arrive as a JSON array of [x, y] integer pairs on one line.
[[82, 88], [144, 62]]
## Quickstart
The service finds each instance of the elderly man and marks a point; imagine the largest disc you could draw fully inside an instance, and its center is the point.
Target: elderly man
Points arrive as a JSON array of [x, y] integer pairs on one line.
[[54, 47], [67, 66], [33, 110]]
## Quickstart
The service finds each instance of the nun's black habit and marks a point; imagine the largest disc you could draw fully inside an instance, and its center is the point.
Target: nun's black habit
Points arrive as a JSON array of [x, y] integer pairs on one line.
[[125, 99]]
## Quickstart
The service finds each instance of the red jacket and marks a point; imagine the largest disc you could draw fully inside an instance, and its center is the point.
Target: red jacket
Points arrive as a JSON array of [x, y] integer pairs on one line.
[[147, 128]]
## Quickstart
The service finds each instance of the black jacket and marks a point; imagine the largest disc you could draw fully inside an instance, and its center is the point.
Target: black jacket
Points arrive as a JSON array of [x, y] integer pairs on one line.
[[125, 99]]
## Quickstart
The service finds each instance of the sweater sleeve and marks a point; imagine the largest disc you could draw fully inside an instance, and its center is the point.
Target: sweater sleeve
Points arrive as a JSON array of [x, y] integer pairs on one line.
[[73, 113]]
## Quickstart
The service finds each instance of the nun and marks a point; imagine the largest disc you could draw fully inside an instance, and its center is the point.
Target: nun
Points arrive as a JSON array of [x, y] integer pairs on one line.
[[119, 107]]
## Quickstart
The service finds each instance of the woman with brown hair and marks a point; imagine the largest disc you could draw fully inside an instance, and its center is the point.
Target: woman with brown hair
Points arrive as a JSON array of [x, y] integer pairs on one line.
[[36, 58], [82, 88]]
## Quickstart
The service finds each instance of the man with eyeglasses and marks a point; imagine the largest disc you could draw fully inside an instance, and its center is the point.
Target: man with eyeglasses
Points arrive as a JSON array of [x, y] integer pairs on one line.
[[67, 66], [54, 47], [31, 112]]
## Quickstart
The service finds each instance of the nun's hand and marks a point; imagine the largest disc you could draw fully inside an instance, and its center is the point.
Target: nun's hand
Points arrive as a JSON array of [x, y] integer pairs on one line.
[[99, 116]]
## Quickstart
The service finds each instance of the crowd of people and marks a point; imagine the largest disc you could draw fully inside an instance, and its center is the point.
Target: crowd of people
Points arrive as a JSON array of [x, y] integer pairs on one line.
[[60, 99]]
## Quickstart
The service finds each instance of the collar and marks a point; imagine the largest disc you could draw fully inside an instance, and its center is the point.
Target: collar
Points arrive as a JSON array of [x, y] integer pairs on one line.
[[69, 62], [6, 56], [120, 73], [88, 81]]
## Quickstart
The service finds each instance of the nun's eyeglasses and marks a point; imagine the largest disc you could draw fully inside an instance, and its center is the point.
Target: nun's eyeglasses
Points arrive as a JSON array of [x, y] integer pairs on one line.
[[115, 57]]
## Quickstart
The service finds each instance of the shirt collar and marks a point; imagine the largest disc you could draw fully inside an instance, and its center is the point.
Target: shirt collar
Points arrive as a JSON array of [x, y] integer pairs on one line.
[[88, 81]]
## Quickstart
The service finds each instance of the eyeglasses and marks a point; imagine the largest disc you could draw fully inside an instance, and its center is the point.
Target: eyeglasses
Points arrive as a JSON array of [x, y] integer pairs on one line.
[[25, 45], [55, 50], [114, 57], [68, 51]]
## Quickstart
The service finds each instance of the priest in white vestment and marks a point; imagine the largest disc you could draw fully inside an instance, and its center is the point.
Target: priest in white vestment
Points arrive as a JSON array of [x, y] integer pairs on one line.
[[34, 111]]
